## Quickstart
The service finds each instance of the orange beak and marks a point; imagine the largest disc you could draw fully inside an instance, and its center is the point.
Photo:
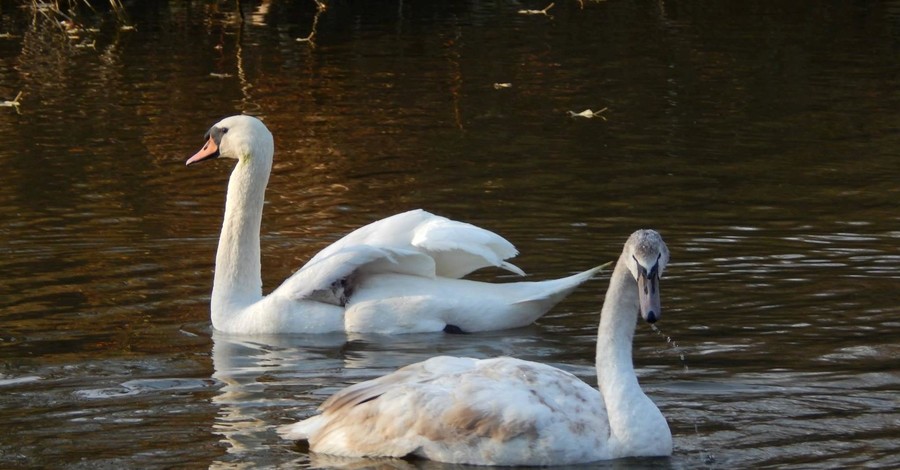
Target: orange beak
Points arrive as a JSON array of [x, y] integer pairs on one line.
[[210, 150]]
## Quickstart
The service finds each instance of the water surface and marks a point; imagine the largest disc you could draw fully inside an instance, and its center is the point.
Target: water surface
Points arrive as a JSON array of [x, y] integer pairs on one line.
[[760, 138]]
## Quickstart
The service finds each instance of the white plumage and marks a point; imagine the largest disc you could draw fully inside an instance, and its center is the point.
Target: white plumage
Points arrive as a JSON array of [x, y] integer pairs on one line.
[[506, 411], [400, 274]]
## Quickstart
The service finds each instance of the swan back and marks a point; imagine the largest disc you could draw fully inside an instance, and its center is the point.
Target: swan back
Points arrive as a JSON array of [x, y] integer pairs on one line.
[[500, 411]]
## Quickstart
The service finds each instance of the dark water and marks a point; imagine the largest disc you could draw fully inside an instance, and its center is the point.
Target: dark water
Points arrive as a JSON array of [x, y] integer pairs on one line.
[[759, 137]]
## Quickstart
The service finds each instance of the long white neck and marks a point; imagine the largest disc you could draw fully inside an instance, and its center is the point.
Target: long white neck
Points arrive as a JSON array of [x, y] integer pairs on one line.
[[238, 278], [628, 408], [615, 369]]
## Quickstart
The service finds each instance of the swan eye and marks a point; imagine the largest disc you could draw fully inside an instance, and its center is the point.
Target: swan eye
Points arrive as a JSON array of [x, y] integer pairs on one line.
[[216, 133], [640, 269], [654, 271]]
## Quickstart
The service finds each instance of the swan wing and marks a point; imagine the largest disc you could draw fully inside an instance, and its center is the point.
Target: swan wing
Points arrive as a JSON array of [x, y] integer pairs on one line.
[[499, 411], [458, 248], [328, 278]]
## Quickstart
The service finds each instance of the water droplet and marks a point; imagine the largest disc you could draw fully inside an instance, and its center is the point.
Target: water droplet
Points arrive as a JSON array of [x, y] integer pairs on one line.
[[671, 342]]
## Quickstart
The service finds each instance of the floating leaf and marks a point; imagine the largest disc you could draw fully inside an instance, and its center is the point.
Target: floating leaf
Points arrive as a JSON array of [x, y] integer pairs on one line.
[[588, 114]]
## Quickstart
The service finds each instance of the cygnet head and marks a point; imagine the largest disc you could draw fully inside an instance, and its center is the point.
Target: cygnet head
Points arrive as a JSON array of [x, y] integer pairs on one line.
[[238, 137], [647, 255]]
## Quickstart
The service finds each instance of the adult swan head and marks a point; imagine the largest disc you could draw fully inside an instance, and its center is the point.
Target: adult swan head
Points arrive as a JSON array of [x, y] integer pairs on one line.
[[506, 411], [401, 274]]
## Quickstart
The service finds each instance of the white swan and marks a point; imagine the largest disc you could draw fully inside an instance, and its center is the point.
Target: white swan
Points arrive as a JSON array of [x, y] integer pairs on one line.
[[396, 275], [506, 411]]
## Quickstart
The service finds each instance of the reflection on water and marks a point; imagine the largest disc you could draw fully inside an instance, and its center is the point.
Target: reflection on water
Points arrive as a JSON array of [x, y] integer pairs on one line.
[[758, 137]]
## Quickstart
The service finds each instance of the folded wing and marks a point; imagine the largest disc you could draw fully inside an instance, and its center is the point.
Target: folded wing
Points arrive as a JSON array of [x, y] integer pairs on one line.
[[331, 278]]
